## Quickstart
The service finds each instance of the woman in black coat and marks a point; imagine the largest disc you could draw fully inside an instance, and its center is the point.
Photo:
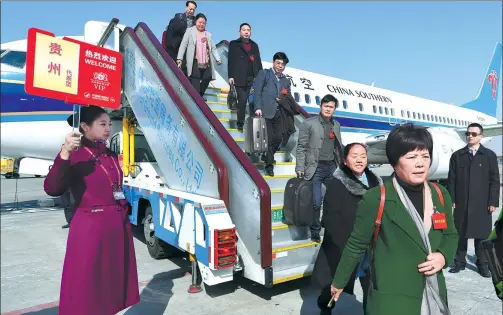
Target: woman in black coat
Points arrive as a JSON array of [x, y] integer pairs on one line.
[[343, 193]]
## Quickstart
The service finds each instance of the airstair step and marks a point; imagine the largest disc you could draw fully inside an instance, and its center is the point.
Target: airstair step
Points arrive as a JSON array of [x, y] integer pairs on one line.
[[286, 275], [228, 123], [283, 233], [225, 113], [278, 181], [294, 253], [280, 168]]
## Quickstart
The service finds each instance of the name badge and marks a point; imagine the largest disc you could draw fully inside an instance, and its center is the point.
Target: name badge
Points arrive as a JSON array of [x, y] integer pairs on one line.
[[119, 194], [439, 221], [331, 135]]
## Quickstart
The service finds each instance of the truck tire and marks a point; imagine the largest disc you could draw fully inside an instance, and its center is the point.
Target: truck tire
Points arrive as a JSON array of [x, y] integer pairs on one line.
[[157, 248]]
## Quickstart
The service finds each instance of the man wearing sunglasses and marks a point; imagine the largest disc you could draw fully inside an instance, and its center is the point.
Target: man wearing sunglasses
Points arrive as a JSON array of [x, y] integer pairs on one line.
[[474, 186]]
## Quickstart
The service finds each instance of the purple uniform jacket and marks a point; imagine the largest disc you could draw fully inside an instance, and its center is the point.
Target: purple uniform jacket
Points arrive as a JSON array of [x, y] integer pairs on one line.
[[99, 272]]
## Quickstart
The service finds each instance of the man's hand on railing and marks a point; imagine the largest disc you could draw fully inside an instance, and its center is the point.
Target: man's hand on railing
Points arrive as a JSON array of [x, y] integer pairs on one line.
[[179, 63], [231, 81], [258, 112], [219, 62]]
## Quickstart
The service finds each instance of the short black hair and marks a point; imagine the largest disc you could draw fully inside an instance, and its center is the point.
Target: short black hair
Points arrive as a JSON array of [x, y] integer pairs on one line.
[[329, 98], [189, 2], [281, 56], [88, 115], [476, 125], [200, 15], [348, 147], [406, 138], [244, 24]]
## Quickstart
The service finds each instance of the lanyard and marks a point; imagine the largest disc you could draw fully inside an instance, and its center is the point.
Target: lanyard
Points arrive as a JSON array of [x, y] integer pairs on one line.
[[104, 169]]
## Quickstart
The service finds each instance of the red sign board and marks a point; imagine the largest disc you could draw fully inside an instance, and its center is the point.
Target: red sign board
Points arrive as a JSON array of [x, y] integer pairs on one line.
[[71, 70]]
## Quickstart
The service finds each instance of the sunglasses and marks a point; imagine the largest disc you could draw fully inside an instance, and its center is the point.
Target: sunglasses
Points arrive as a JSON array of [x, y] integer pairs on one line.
[[473, 134]]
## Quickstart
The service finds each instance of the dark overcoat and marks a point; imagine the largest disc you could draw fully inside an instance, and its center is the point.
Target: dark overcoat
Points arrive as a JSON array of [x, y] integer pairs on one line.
[[398, 287], [174, 33], [474, 185], [343, 193], [239, 64]]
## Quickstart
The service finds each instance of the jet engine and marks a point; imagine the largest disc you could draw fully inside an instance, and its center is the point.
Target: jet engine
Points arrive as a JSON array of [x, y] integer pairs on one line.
[[445, 142]]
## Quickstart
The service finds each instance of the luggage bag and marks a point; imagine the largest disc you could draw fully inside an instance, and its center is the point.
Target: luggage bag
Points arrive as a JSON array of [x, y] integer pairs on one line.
[[298, 202], [255, 135]]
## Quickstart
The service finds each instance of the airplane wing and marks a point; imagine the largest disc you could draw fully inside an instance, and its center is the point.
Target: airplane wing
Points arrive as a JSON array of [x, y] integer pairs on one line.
[[489, 130]]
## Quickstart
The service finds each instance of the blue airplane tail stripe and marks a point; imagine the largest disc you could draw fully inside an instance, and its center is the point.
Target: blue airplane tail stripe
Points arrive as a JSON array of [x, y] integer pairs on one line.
[[487, 100]]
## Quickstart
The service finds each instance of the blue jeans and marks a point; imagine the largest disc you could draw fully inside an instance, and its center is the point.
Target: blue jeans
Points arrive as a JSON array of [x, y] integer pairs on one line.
[[324, 172]]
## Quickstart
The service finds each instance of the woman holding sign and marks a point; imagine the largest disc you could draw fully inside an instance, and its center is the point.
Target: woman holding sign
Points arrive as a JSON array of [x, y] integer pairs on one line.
[[99, 272], [416, 238]]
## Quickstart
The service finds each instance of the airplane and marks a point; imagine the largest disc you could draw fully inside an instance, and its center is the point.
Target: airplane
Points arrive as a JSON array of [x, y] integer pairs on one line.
[[34, 127]]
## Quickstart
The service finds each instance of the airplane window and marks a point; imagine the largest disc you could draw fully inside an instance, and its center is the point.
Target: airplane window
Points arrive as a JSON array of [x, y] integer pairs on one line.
[[403, 113], [443, 119], [424, 116], [408, 114], [307, 97], [318, 100], [386, 110], [428, 117], [392, 112], [414, 115], [361, 107], [345, 104], [380, 110], [296, 96], [15, 59], [336, 103], [375, 109]]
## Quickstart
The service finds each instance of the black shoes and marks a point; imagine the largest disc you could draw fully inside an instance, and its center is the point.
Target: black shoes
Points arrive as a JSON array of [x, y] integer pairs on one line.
[[269, 173], [240, 127], [457, 268], [484, 272], [66, 226], [315, 237]]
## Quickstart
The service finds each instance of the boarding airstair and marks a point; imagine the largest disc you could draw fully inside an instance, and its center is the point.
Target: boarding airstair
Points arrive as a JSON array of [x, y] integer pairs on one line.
[[270, 252]]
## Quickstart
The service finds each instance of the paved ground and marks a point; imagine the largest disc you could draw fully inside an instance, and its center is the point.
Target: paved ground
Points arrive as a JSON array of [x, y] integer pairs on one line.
[[33, 246]]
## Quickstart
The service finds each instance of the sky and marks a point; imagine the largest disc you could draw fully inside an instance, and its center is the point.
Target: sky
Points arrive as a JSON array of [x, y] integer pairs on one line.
[[430, 49]]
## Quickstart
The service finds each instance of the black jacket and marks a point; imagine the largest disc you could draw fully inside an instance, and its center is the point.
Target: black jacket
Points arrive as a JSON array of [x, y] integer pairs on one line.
[[343, 193], [240, 67], [174, 33]]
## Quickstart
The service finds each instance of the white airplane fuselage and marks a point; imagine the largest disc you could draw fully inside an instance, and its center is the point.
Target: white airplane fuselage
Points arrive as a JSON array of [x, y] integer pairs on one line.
[[35, 127]]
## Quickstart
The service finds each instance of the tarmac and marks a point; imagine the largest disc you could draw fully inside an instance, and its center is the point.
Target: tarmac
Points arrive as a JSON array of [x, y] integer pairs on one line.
[[33, 248]]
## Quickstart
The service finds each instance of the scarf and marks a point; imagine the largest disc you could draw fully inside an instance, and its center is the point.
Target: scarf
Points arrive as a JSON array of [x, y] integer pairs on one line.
[[432, 303], [202, 55]]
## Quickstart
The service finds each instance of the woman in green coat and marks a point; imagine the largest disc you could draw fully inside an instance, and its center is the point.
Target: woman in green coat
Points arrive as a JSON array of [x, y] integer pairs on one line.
[[413, 245]]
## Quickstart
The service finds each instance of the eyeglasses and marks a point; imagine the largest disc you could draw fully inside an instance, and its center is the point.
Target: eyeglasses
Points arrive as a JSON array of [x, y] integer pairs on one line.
[[473, 134]]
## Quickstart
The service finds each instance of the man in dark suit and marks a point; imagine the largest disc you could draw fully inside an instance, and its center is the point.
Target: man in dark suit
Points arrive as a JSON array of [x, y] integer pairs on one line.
[[243, 65], [177, 27], [474, 186], [266, 96]]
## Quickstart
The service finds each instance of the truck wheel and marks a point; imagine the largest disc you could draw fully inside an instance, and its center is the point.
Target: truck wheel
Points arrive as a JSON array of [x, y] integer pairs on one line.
[[157, 248]]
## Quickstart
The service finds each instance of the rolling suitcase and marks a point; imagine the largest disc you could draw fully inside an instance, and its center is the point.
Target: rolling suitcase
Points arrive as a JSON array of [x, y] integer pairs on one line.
[[255, 135], [298, 202]]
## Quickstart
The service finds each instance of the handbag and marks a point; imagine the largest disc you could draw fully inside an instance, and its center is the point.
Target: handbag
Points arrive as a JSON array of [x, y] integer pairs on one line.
[[232, 98]]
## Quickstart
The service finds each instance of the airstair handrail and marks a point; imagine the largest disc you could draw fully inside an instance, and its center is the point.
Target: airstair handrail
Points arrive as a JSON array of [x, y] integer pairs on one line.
[[263, 189], [220, 167]]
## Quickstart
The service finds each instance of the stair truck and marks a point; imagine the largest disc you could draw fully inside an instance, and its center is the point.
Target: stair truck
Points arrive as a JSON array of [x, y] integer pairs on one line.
[[188, 180]]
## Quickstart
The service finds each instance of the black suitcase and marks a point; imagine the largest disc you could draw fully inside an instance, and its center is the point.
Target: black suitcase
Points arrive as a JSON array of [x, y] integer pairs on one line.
[[298, 202], [255, 135]]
